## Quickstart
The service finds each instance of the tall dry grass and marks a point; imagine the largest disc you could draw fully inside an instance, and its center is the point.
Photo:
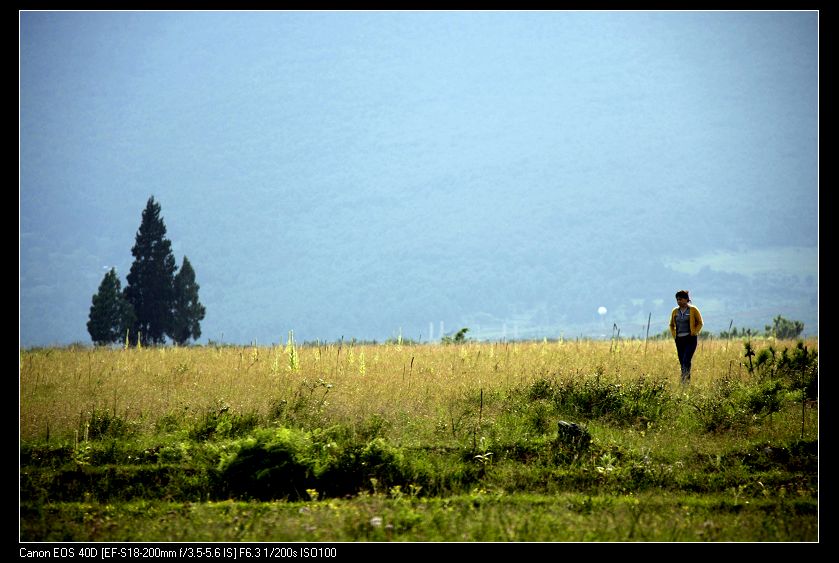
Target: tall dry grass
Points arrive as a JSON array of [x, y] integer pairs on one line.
[[407, 385]]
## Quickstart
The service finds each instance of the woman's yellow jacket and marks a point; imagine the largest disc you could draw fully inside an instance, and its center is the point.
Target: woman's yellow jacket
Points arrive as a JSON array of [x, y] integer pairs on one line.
[[695, 321]]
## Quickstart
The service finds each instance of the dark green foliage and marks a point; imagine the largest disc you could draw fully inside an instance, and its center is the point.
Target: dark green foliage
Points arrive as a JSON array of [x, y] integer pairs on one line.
[[749, 353], [801, 368], [765, 361], [765, 398], [150, 289], [304, 407], [363, 467], [541, 389], [273, 466], [167, 423], [797, 369], [458, 338], [538, 416], [784, 329], [733, 404], [283, 463], [639, 402], [188, 310], [110, 314], [219, 422], [374, 427], [800, 456], [156, 302], [115, 482], [589, 398], [45, 455], [105, 424], [718, 411]]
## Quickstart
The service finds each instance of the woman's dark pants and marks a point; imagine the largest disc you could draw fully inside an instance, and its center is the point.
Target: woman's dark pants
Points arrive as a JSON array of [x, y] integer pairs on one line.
[[686, 346]]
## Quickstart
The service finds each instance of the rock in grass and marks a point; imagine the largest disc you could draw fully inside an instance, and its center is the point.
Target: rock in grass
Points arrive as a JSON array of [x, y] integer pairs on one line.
[[573, 435]]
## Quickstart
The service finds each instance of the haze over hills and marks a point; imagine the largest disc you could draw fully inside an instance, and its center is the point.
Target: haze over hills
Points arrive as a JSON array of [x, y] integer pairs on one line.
[[362, 174]]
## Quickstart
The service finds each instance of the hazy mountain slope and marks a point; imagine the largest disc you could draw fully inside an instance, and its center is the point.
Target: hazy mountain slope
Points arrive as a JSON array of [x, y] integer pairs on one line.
[[357, 173]]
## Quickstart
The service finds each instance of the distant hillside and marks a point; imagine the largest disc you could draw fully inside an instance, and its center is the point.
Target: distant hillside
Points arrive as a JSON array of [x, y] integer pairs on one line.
[[357, 174]]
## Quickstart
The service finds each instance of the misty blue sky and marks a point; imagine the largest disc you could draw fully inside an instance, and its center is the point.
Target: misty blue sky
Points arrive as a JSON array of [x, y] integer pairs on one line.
[[271, 137]]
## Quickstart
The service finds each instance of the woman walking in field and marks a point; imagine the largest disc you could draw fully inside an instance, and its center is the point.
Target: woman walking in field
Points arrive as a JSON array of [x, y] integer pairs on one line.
[[685, 325]]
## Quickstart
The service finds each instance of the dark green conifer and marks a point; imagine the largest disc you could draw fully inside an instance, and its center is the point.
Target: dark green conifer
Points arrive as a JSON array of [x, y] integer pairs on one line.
[[189, 312], [150, 289], [110, 314]]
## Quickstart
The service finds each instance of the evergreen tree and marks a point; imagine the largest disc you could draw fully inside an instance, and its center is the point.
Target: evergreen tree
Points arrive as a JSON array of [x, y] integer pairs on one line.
[[150, 289], [189, 312], [110, 314]]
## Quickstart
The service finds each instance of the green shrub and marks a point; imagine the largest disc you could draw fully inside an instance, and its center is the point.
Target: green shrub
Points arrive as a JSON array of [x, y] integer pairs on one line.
[[538, 417], [356, 467], [797, 369], [765, 398], [732, 404], [274, 464], [540, 389], [104, 424], [801, 370], [374, 427], [641, 401], [219, 422], [717, 411], [304, 408]]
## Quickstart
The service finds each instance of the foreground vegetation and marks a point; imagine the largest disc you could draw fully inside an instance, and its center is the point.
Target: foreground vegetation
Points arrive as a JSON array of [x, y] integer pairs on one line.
[[536, 441]]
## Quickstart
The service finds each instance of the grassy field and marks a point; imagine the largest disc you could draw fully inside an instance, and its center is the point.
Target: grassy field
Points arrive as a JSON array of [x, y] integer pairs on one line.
[[524, 441]]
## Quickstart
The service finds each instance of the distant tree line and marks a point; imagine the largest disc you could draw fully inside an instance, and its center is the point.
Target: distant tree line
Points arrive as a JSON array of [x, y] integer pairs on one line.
[[781, 328], [158, 301]]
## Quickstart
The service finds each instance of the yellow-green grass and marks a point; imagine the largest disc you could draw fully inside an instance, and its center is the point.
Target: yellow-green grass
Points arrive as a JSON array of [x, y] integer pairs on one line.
[[416, 389], [464, 419]]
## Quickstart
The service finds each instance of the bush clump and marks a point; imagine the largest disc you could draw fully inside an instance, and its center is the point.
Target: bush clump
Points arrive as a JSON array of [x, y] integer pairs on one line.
[[273, 464]]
